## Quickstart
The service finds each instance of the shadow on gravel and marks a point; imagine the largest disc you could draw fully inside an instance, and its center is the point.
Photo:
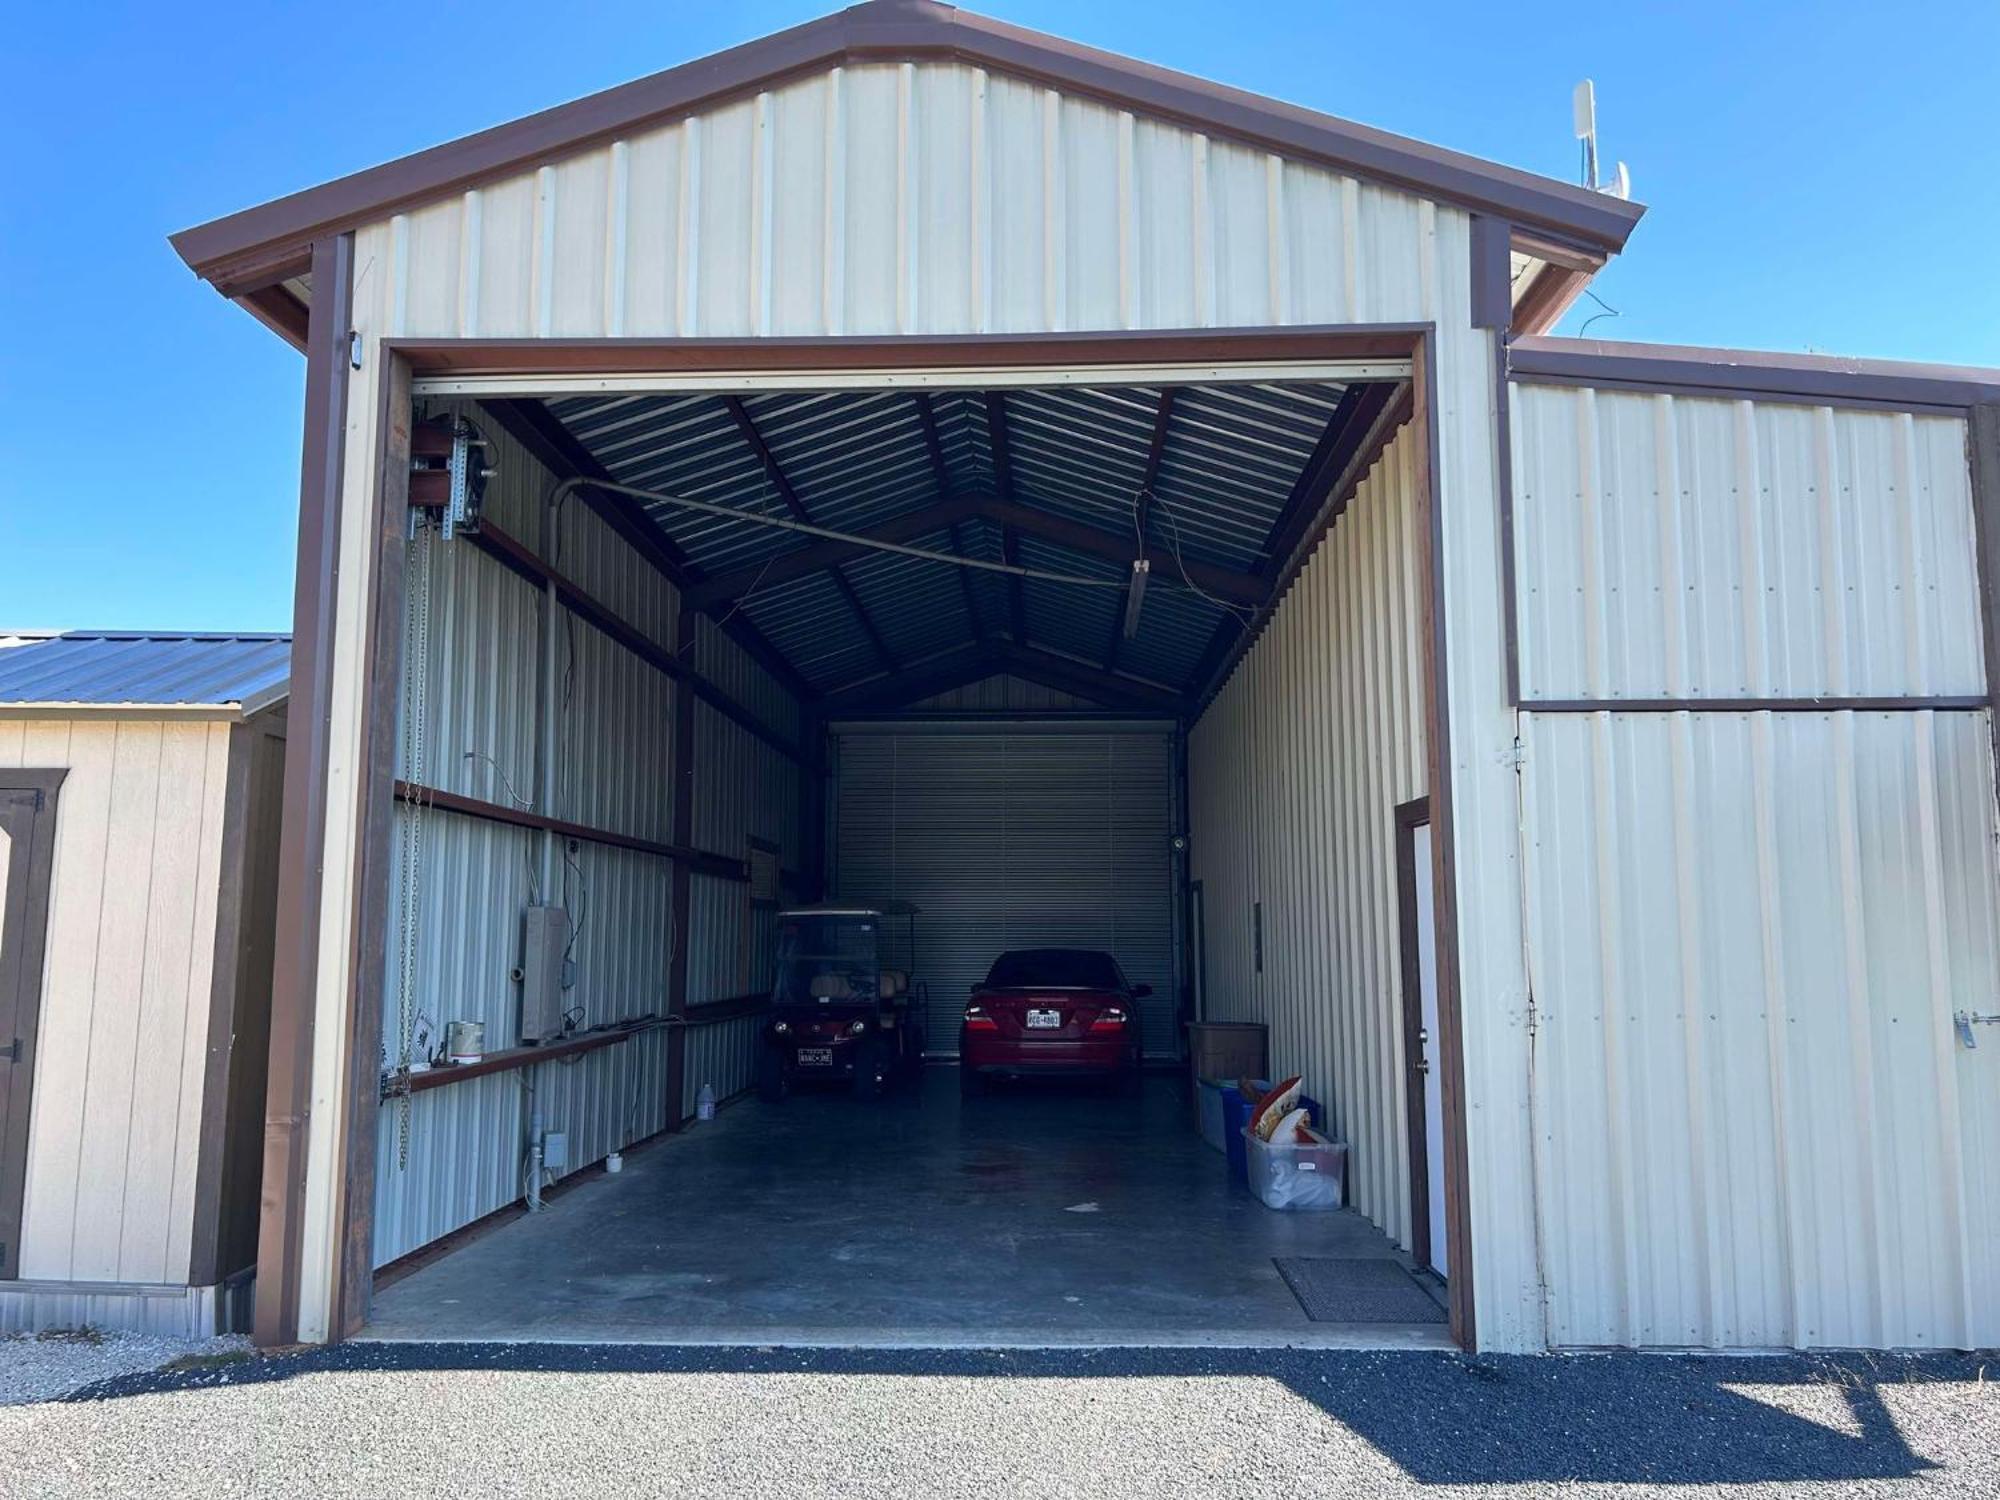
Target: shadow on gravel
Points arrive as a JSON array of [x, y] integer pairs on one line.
[[1444, 1419]]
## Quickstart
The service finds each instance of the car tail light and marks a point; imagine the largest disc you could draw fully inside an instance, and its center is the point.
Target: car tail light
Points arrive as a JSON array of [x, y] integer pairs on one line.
[[976, 1019], [1109, 1020]]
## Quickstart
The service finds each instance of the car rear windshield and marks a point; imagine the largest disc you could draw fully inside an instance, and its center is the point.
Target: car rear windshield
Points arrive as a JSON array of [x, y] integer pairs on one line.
[[1055, 968]]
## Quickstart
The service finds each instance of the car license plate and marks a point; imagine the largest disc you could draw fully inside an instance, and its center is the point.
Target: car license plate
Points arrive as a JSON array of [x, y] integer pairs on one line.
[[1044, 1020], [815, 1057]]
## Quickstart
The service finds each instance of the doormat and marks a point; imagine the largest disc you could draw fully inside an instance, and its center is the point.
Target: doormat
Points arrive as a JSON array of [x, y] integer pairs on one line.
[[1375, 1290]]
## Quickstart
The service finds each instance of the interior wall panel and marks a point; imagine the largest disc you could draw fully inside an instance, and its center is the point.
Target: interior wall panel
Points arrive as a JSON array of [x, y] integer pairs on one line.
[[1295, 772], [1014, 839]]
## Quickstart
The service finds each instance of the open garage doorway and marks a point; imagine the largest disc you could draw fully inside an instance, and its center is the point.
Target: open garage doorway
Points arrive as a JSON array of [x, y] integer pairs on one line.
[[1030, 649]]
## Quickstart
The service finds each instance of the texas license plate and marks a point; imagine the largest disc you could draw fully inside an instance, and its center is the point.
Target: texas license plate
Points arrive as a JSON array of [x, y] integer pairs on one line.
[[815, 1057], [1044, 1020]]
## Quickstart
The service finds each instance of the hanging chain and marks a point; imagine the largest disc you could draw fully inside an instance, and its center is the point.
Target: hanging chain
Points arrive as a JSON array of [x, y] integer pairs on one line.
[[416, 697]]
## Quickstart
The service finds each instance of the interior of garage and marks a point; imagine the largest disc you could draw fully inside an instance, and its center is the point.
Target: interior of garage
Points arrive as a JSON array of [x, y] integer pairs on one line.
[[1122, 661]]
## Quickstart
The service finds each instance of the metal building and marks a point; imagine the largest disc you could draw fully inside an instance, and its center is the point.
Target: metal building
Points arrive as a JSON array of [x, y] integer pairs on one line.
[[139, 811], [1579, 755]]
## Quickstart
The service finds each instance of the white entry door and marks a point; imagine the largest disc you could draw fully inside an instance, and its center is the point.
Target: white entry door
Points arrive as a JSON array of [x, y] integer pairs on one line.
[[1433, 1061]]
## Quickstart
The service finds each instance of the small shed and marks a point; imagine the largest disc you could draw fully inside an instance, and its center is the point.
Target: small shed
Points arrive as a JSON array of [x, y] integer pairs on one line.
[[140, 785]]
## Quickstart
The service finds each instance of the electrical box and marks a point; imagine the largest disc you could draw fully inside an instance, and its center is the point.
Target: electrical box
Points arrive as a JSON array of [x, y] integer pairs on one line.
[[555, 1151], [544, 943]]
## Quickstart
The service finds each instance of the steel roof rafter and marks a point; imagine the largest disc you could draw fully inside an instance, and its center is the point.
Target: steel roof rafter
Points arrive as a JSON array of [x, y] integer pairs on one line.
[[776, 474]]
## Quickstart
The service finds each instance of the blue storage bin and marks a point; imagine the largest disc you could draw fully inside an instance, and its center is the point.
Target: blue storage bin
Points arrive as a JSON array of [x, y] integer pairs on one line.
[[1236, 1115]]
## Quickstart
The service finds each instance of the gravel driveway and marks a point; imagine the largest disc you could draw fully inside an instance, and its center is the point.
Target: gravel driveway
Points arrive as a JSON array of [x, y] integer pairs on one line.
[[477, 1420]]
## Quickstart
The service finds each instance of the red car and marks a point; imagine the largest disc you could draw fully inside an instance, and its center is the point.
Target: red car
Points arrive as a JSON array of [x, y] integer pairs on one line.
[[1064, 1012]]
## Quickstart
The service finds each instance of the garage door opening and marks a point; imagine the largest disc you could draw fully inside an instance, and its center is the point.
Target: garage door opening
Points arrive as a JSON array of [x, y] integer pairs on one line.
[[1035, 653]]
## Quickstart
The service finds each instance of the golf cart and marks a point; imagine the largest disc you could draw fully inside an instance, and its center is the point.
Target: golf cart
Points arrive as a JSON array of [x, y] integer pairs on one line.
[[844, 1008]]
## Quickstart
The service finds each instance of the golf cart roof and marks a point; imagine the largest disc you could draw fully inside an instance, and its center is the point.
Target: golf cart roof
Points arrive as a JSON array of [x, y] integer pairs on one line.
[[852, 909]]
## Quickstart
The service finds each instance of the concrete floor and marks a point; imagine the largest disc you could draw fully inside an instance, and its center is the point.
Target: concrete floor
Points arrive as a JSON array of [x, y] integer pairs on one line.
[[1036, 1215]]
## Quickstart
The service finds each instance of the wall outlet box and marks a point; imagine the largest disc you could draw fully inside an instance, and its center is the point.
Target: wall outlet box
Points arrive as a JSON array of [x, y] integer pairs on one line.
[[555, 1150], [544, 939]]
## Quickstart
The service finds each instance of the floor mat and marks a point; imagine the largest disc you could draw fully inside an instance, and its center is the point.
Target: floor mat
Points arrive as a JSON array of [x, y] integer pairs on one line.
[[1374, 1290]]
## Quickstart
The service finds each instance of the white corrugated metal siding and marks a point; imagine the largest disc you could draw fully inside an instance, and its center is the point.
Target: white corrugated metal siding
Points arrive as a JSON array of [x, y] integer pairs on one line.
[[1750, 930], [1015, 839], [451, 1155], [1678, 547], [940, 198], [1294, 775]]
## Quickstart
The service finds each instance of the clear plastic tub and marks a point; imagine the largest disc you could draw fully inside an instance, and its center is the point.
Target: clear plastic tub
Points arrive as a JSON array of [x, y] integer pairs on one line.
[[1296, 1177], [1212, 1119]]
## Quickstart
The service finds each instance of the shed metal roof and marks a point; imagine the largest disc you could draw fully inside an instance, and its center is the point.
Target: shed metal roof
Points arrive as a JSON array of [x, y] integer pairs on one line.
[[172, 672]]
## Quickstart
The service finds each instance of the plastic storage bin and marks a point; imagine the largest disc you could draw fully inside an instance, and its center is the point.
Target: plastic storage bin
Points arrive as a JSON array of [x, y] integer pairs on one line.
[[1236, 1116], [1211, 1118], [1297, 1177]]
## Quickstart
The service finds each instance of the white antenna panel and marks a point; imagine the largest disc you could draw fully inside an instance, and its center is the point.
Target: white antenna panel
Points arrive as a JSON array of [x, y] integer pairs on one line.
[[1583, 109]]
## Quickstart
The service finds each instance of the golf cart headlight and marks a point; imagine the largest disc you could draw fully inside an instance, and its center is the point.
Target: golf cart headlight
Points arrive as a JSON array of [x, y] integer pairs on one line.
[[779, 1028], [857, 1028]]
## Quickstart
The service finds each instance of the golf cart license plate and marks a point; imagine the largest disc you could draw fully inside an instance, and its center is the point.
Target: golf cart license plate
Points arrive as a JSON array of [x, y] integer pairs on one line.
[[815, 1057], [1044, 1020]]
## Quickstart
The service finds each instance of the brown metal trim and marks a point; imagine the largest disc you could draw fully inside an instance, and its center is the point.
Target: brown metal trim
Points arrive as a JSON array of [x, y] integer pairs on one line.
[[1410, 816], [294, 982], [1809, 379], [715, 1012], [1983, 456], [224, 992], [371, 924], [442, 358], [908, 30], [278, 310], [774, 471], [1503, 475], [1438, 768], [1945, 703], [1492, 272], [509, 1058], [523, 561], [1552, 293], [719, 865], [36, 869]]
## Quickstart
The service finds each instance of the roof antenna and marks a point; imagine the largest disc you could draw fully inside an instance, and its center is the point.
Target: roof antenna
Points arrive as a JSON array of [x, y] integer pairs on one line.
[[1583, 111]]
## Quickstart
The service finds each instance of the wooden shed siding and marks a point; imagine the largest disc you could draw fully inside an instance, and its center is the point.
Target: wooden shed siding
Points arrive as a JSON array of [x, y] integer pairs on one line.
[[114, 1131]]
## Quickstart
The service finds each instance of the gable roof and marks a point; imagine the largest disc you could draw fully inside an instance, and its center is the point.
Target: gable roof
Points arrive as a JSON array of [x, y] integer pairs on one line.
[[99, 671], [259, 246]]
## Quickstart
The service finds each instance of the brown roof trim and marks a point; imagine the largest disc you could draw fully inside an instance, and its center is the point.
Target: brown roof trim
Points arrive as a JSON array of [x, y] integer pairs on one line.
[[236, 251], [1810, 378], [1552, 293]]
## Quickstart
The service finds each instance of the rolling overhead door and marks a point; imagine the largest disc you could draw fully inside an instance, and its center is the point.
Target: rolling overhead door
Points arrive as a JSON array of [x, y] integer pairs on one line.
[[1014, 838]]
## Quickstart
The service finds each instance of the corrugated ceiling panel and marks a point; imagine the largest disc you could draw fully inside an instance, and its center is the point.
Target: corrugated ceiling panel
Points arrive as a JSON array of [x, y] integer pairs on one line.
[[1676, 547], [1750, 933]]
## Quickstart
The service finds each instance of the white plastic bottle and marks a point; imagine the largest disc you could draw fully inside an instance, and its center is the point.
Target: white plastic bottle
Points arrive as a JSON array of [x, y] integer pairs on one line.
[[704, 1102]]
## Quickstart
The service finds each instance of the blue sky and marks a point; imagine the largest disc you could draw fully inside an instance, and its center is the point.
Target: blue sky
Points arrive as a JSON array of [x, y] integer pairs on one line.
[[1819, 176]]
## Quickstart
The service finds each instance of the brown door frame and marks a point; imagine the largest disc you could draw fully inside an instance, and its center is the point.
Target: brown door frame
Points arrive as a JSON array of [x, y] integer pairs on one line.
[[1410, 816], [293, 998], [24, 937]]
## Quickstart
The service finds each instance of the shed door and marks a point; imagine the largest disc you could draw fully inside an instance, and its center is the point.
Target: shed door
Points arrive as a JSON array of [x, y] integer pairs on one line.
[[1014, 838], [27, 841]]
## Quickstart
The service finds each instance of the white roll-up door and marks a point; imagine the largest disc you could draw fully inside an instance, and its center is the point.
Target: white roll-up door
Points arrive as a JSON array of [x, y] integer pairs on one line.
[[1014, 838]]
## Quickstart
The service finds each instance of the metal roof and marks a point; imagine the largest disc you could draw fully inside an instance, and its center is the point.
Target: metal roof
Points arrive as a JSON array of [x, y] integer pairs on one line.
[[175, 672], [1048, 479]]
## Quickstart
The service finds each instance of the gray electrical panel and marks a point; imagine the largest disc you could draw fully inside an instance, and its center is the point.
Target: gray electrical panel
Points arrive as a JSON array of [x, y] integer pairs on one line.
[[544, 941]]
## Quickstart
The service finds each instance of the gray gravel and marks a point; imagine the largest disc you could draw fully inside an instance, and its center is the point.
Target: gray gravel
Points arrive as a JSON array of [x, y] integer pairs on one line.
[[39, 1366], [478, 1420]]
